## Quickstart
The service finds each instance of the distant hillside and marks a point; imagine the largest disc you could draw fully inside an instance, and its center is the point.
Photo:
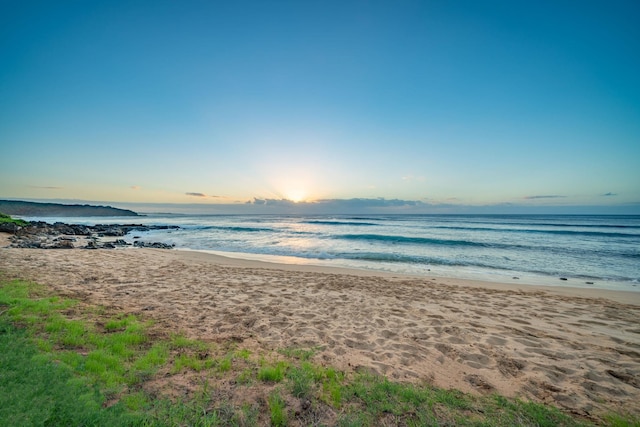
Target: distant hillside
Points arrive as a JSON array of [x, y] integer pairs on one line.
[[14, 207]]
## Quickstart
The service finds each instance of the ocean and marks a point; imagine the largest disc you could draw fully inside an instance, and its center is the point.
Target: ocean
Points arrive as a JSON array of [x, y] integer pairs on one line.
[[588, 251]]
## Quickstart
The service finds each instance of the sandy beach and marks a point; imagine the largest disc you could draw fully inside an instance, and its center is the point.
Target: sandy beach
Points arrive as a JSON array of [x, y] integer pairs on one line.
[[574, 348]]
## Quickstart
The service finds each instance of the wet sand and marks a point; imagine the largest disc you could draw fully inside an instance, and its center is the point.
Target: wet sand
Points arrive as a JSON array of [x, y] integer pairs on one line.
[[574, 348]]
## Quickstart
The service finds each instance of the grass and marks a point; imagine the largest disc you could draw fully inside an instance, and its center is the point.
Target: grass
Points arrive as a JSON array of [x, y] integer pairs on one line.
[[34, 391], [277, 411], [65, 363], [273, 373], [302, 380], [7, 219]]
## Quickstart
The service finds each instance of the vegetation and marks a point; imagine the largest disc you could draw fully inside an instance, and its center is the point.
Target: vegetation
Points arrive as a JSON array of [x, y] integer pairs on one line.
[[7, 219], [66, 363]]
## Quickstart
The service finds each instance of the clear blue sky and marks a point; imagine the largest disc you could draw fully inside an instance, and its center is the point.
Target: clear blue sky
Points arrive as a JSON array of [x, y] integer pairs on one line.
[[443, 104]]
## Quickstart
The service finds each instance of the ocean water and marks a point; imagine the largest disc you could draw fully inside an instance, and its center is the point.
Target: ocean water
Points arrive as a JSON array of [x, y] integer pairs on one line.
[[535, 249]]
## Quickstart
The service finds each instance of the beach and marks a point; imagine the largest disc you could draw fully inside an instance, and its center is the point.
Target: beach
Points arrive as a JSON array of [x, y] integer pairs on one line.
[[578, 349]]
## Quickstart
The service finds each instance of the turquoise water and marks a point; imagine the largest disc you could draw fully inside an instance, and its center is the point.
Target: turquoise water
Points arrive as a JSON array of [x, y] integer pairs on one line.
[[535, 249]]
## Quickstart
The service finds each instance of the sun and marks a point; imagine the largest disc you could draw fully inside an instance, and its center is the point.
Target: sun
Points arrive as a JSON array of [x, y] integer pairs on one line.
[[297, 195]]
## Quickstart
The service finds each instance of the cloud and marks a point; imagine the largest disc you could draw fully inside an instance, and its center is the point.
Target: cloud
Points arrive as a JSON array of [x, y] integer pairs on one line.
[[135, 187], [46, 187], [410, 178], [544, 197], [370, 203], [337, 204], [609, 194], [192, 194], [274, 202]]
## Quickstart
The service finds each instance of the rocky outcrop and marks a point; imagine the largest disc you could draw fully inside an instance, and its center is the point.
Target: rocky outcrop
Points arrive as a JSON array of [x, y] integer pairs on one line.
[[58, 228], [42, 235]]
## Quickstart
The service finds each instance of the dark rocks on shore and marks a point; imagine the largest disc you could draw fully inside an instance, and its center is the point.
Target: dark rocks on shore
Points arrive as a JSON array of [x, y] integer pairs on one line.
[[91, 244], [41, 235], [156, 245], [63, 244], [9, 227]]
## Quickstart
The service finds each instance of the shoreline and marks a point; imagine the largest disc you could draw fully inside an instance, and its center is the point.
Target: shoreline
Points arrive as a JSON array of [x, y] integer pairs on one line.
[[573, 348], [248, 260], [621, 296], [567, 253]]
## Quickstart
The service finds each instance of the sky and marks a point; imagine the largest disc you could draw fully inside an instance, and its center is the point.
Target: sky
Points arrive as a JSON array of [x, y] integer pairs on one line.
[[337, 106]]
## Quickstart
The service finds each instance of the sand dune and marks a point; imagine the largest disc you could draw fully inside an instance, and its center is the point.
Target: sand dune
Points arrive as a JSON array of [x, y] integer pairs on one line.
[[577, 349]]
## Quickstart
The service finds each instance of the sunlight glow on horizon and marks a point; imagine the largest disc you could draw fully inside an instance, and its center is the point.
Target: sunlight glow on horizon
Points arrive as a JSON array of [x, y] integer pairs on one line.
[[296, 195]]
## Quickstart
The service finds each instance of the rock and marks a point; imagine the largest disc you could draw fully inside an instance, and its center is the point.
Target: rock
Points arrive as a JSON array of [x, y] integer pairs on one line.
[[80, 230], [39, 234], [112, 231], [9, 227], [155, 245], [62, 244]]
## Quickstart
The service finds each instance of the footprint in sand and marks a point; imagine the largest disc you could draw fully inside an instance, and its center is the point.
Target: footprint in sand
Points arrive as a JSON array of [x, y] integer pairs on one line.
[[479, 383], [388, 334], [497, 341], [476, 360], [510, 367], [625, 377]]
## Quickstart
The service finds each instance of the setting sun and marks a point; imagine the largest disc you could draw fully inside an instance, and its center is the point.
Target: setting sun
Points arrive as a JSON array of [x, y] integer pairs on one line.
[[297, 195]]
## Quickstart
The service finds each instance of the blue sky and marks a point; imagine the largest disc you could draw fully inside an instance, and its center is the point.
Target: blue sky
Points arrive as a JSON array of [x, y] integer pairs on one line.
[[444, 105]]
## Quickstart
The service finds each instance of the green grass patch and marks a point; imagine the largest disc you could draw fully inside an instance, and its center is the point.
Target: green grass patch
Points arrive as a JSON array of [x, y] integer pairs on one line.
[[273, 373], [302, 380], [277, 410], [225, 364], [332, 387], [154, 357], [242, 354], [114, 355], [180, 342], [622, 420], [193, 362], [299, 353], [7, 219], [35, 391]]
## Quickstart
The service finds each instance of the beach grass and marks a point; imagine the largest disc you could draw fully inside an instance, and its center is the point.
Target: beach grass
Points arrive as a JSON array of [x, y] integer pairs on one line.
[[64, 362], [7, 219]]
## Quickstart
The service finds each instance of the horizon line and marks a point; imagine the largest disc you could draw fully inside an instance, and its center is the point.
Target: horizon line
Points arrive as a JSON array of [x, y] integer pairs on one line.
[[380, 206]]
